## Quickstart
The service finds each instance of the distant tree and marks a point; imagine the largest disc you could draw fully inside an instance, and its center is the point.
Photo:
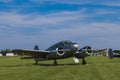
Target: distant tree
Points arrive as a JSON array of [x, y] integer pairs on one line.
[[3, 52], [36, 47], [8, 51]]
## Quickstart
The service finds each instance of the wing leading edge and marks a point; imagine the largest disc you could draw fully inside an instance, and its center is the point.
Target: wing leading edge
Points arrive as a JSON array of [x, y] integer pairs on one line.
[[33, 53]]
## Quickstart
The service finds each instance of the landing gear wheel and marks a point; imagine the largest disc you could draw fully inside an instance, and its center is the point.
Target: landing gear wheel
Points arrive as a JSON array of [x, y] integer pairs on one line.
[[84, 61], [55, 63], [36, 62]]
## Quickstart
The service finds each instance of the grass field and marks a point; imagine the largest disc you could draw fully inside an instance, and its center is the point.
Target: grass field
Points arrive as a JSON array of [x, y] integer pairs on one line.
[[98, 68]]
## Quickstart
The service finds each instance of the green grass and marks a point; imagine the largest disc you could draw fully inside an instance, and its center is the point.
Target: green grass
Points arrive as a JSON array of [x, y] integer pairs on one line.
[[98, 68]]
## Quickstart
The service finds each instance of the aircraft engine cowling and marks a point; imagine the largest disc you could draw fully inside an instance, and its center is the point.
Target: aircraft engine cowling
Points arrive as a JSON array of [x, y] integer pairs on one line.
[[83, 52], [88, 50], [60, 51]]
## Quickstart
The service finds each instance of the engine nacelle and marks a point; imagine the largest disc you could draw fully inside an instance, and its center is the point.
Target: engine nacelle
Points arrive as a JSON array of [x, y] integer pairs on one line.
[[88, 49], [60, 51], [83, 52]]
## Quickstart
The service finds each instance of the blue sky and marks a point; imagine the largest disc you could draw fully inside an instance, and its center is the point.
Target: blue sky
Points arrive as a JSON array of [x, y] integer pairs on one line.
[[25, 23]]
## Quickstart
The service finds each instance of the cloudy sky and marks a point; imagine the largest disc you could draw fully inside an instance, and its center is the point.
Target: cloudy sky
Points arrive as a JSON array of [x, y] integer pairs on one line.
[[25, 23]]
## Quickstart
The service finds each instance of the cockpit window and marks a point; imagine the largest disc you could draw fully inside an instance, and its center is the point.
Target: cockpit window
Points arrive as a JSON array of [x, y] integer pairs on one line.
[[67, 42]]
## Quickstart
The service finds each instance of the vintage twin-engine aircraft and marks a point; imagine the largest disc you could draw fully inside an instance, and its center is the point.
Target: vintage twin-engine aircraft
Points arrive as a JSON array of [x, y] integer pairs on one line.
[[61, 50], [113, 53]]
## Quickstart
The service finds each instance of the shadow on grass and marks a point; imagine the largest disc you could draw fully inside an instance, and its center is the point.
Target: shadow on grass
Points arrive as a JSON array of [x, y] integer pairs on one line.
[[57, 65], [13, 66]]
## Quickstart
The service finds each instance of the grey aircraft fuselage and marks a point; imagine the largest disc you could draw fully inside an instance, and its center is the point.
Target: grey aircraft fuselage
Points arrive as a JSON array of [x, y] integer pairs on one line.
[[60, 50]]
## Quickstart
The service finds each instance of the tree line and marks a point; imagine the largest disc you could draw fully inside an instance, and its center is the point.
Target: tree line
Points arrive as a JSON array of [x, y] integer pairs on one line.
[[4, 52]]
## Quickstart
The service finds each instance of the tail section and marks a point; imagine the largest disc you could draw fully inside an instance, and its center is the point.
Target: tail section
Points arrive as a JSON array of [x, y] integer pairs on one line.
[[36, 47], [112, 53]]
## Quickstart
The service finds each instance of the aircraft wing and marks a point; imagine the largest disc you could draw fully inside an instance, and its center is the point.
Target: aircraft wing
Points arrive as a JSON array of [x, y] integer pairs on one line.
[[98, 50], [30, 52], [116, 51]]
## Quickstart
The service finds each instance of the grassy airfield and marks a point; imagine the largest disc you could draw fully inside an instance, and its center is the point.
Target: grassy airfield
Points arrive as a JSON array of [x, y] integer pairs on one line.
[[98, 68]]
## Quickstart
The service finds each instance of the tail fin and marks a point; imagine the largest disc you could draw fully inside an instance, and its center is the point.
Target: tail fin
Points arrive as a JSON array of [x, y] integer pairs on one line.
[[110, 53], [113, 54], [36, 47]]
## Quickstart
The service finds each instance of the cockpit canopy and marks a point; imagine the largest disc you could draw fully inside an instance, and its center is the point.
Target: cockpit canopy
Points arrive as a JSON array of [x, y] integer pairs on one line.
[[66, 42]]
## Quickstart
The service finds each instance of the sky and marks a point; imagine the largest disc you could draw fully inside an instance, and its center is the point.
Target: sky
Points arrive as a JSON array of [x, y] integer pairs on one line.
[[26, 23]]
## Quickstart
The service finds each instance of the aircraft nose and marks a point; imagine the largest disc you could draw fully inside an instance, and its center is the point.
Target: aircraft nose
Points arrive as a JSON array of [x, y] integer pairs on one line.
[[75, 45]]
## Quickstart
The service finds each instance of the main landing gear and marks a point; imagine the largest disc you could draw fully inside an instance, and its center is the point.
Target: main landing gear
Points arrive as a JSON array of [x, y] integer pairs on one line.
[[36, 61], [84, 61], [55, 63]]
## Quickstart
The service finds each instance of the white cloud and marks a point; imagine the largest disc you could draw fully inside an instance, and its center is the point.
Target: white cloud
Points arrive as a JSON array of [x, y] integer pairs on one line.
[[105, 11], [73, 28], [111, 3], [6, 1], [15, 19], [98, 35], [79, 2]]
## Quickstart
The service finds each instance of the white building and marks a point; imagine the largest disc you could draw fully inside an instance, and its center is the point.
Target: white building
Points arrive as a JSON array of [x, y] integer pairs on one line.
[[10, 54], [0, 54]]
